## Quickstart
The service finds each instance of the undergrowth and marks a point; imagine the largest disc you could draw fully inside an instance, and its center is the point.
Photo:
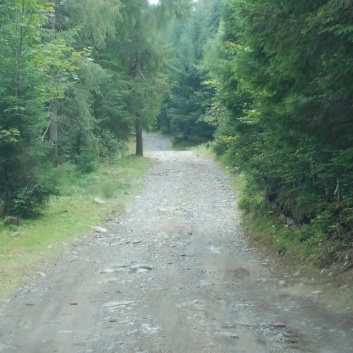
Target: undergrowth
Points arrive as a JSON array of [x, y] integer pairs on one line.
[[304, 242]]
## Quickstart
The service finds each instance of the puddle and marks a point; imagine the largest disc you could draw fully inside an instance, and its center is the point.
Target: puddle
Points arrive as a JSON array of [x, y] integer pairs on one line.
[[135, 268], [3, 347]]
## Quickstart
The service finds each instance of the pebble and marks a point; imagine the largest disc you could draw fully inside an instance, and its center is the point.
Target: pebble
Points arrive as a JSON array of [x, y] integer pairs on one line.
[[228, 334], [99, 229], [99, 201], [279, 325]]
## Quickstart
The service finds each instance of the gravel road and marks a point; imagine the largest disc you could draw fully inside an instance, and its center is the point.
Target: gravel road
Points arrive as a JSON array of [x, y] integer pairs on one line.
[[173, 273]]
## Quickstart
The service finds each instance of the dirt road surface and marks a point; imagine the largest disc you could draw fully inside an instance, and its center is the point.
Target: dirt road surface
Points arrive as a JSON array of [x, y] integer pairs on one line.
[[174, 273]]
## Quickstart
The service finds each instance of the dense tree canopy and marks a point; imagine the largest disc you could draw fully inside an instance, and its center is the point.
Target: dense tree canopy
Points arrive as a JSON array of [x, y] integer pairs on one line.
[[190, 96], [76, 79], [282, 69], [269, 82]]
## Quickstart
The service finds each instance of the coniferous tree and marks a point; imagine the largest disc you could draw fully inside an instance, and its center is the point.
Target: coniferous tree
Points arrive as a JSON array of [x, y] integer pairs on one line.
[[139, 54], [27, 61], [282, 72], [191, 97]]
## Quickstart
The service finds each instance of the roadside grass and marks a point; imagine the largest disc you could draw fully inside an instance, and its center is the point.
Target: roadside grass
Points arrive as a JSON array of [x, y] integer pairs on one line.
[[67, 218], [308, 257], [204, 150]]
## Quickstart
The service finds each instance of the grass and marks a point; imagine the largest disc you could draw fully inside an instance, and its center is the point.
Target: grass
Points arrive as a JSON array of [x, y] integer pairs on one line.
[[67, 218], [305, 256]]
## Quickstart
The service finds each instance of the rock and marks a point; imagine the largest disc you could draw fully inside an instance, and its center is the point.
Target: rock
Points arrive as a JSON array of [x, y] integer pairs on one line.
[[140, 268], [279, 325], [228, 334], [346, 260], [15, 235], [13, 221], [73, 303], [282, 219], [116, 306], [281, 252], [99, 201], [290, 221], [99, 229], [146, 328], [282, 283]]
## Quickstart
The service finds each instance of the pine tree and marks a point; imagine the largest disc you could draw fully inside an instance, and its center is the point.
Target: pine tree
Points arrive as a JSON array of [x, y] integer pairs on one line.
[[27, 61], [191, 97], [139, 54], [282, 72]]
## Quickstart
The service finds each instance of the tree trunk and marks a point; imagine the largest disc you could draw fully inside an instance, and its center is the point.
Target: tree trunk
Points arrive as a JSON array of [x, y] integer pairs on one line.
[[139, 139], [53, 130], [138, 76], [7, 191]]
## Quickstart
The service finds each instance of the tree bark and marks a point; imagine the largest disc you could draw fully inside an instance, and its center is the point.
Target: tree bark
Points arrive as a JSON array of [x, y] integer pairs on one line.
[[139, 125], [53, 130], [139, 139], [7, 191]]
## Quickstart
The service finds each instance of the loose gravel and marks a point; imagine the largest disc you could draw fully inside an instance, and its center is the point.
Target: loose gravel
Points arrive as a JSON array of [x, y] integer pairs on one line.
[[173, 273]]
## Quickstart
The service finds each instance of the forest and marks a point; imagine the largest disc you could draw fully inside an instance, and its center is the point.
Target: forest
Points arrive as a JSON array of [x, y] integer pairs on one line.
[[266, 85]]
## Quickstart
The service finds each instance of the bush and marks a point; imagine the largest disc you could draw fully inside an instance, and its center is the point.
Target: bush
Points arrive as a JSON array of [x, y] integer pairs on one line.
[[109, 146], [88, 159]]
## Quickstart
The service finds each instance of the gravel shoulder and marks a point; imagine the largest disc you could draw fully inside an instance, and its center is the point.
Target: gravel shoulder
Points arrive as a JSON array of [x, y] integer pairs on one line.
[[173, 273]]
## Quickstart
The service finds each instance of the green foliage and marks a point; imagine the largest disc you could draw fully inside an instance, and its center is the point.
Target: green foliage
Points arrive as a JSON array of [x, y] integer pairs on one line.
[[109, 146], [282, 72], [77, 78], [185, 113], [135, 60], [24, 186], [87, 160]]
